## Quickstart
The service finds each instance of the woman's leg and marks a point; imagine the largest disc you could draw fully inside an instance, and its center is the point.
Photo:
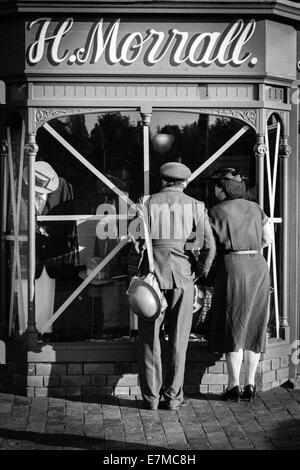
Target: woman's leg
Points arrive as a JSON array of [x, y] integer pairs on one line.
[[251, 360], [234, 362]]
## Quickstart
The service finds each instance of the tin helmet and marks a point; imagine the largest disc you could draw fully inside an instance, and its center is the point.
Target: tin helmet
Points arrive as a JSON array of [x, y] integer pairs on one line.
[[143, 300]]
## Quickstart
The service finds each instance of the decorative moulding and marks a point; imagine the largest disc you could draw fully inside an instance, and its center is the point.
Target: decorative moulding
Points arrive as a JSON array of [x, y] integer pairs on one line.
[[247, 115], [43, 115]]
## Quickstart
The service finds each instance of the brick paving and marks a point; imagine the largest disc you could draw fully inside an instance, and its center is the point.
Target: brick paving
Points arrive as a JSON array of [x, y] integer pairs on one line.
[[272, 421]]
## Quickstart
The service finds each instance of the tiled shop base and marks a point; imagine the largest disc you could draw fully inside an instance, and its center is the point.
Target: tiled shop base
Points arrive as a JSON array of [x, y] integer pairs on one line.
[[86, 369]]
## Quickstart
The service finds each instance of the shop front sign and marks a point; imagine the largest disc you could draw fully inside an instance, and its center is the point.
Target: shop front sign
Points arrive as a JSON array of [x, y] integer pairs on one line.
[[75, 45]]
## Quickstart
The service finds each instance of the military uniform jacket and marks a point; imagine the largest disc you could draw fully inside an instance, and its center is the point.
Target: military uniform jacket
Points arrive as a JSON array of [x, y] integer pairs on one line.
[[179, 228]]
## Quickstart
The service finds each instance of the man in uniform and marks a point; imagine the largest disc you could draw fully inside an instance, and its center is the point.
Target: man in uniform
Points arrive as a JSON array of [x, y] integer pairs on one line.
[[178, 226]]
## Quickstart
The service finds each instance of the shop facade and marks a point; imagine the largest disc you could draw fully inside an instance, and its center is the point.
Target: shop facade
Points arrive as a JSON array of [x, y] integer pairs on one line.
[[105, 94]]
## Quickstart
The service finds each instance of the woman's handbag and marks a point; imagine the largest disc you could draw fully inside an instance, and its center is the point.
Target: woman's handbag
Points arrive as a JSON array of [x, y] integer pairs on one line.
[[144, 295], [201, 308]]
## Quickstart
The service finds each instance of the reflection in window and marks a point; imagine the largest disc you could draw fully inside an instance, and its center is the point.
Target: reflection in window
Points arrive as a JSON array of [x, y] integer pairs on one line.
[[192, 138], [112, 143]]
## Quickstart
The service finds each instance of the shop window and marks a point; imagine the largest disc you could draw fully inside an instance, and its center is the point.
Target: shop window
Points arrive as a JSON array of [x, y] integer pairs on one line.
[[194, 139], [77, 240], [85, 152], [272, 207]]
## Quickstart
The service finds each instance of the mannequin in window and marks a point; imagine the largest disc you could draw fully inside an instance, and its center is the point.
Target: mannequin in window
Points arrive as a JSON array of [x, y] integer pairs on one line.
[[56, 241]]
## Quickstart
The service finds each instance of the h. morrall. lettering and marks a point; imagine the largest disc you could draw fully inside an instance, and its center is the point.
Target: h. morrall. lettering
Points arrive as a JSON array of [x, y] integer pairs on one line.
[[203, 48]]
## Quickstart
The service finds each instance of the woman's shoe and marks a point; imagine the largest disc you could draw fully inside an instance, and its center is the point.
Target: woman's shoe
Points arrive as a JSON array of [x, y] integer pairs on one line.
[[232, 394], [249, 392]]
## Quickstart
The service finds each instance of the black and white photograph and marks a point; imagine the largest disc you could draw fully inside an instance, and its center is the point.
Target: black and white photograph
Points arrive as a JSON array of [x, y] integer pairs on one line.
[[150, 229]]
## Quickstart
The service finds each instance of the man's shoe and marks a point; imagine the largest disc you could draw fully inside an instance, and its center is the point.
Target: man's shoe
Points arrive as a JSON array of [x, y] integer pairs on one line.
[[167, 405]]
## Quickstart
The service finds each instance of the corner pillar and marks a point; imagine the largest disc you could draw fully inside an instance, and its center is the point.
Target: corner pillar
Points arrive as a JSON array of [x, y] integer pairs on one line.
[[260, 150], [285, 151], [146, 117], [31, 333]]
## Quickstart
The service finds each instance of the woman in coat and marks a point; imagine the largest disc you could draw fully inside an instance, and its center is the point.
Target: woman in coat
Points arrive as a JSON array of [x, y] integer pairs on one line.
[[239, 312]]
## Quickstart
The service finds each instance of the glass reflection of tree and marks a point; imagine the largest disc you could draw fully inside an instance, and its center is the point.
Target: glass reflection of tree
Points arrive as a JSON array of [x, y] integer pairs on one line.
[[190, 147], [118, 143], [195, 142], [73, 130], [114, 147]]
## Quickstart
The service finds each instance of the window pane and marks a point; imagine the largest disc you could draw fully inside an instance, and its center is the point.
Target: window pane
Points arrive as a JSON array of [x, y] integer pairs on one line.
[[74, 247], [191, 139], [275, 271]]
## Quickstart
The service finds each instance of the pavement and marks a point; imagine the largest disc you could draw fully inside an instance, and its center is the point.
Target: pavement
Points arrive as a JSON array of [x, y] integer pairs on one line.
[[271, 422]]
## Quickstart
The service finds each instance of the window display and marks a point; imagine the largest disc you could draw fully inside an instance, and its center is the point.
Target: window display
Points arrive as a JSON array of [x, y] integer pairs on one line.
[[56, 243]]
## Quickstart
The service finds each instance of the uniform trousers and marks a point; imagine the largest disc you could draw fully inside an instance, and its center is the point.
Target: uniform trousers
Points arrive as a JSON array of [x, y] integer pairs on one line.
[[178, 317]]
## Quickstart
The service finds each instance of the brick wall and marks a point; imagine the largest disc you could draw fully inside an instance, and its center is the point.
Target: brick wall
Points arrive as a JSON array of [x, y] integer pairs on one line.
[[68, 380], [205, 373], [116, 373]]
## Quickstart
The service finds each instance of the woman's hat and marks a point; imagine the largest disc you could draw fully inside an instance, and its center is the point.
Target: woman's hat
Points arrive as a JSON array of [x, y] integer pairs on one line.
[[100, 277], [46, 179], [231, 181], [227, 174]]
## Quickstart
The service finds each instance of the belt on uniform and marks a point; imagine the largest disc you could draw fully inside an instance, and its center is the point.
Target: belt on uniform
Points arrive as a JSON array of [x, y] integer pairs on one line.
[[241, 252]]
